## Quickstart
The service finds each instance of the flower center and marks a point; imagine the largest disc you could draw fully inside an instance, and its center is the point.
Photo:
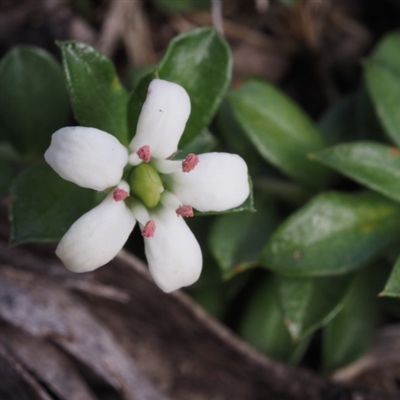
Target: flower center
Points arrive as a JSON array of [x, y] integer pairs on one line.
[[146, 184]]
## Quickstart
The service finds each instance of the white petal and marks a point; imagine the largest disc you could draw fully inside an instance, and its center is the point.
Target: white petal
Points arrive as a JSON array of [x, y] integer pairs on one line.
[[87, 156], [219, 182], [162, 119], [173, 254], [96, 238]]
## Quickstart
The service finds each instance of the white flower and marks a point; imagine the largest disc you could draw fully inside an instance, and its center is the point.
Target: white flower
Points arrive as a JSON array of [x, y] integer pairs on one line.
[[147, 187]]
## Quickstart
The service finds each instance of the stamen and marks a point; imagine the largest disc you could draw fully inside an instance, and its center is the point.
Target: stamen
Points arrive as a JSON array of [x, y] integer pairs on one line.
[[144, 153], [120, 194], [190, 162], [184, 211], [149, 229]]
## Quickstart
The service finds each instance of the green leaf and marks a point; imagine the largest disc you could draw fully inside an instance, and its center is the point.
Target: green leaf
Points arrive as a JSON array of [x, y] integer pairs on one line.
[[236, 239], [44, 206], [235, 138], [309, 303], [384, 86], [387, 52], [372, 164], [201, 62], [280, 131], [97, 97], [262, 324], [351, 332], [33, 101], [392, 287], [333, 234]]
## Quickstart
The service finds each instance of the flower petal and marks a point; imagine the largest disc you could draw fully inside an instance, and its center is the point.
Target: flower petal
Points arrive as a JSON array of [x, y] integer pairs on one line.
[[173, 253], [219, 182], [88, 157], [96, 237], [162, 119]]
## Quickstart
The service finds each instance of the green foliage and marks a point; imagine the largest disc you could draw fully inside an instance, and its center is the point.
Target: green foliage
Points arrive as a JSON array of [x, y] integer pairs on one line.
[[33, 101], [382, 74], [362, 161], [309, 303], [392, 287], [280, 131], [321, 248], [351, 332], [263, 325], [44, 205], [97, 97], [343, 230], [201, 62], [237, 238]]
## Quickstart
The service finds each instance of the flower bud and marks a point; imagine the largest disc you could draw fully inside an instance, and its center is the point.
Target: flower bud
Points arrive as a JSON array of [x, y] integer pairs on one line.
[[146, 184]]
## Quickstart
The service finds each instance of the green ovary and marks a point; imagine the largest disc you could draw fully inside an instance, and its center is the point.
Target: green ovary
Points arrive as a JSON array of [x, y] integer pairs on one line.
[[146, 184]]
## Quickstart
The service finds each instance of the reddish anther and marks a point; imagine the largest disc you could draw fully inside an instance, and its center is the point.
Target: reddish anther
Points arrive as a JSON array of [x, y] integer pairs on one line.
[[190, 162], [120, 194], [184, 211], [144, 153], [149, 229]]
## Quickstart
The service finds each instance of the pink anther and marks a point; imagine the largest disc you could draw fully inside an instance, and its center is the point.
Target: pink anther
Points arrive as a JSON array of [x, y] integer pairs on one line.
[[120, 194], [184, 211], [149, 229], [144, 153], [190, 162]]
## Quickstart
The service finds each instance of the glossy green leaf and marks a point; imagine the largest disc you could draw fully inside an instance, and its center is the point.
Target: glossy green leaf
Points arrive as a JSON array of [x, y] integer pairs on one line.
[[97, 97], [384, 86], [351, 332], [262, 324], [374, 165], [392, 287], [201, 62], [309, 303], [332, 234], [387, 52], [33, 101], [44, 206], [280, 131], [236, 239]]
